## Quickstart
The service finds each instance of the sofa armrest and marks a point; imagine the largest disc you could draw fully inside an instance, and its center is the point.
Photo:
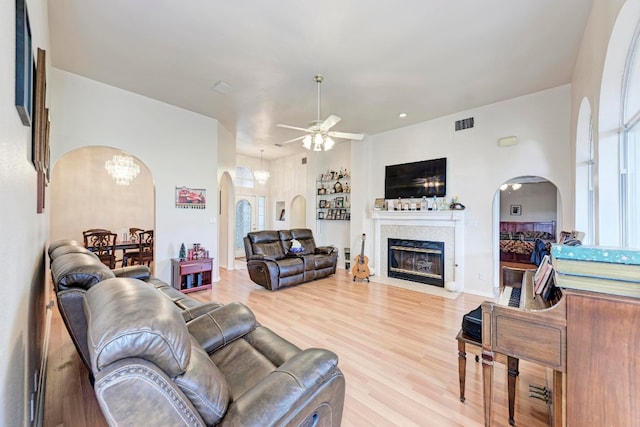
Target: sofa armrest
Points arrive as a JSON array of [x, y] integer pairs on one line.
[[288, 392], [326, 250], [222, 325], [141, 272], [135, 392]]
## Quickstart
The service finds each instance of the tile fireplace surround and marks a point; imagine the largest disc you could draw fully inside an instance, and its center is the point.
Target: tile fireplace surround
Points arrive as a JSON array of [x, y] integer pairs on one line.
[[442, 226]]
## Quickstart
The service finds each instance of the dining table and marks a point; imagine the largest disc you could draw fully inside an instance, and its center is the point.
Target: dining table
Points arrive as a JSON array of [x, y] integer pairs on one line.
[[120, 246]]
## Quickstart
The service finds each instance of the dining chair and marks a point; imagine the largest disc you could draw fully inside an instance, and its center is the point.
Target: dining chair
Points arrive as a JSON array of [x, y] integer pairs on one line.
[[144, 254], [103, 244], [134, 236], [134, 232]]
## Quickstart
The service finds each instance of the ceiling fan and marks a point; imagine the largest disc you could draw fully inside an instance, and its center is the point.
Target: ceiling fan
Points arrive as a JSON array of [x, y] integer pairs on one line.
[[318, 132]]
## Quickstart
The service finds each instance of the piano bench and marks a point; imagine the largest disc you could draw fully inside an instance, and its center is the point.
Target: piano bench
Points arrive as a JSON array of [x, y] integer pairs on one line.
[[470, 345]]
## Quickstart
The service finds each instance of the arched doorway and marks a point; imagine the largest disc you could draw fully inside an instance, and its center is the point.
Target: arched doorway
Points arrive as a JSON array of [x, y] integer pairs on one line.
[[84, 195], [246, 221], [526, 208]]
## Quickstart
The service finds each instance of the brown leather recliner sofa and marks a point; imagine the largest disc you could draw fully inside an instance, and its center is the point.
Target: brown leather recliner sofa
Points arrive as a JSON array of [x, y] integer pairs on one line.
[[272, 264], [160, 358]]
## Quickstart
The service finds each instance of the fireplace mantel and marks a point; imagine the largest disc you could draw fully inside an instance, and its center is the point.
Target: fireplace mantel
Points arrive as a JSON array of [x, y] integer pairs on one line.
[[422, 220]]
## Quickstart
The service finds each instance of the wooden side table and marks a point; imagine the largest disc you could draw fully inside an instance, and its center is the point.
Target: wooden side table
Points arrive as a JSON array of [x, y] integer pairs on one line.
[[191, 275]]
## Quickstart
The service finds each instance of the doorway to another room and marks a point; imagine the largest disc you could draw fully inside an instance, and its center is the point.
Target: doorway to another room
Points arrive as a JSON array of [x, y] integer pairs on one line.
[[527, 212], [250, 216]]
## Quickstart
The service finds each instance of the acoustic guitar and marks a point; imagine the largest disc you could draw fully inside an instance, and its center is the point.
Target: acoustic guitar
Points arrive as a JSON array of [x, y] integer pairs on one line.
[[360, 268]]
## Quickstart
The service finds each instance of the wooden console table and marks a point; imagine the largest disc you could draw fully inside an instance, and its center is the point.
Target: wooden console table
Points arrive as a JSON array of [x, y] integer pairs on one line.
[[191, 275]]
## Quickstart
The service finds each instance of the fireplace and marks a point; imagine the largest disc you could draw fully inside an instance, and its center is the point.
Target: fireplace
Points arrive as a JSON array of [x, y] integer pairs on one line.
[[437, 226], [416, 260]]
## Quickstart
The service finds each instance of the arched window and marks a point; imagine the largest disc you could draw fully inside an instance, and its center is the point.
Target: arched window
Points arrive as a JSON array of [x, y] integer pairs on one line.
[[617, 165], [244, 177], [585, 161], [630, 147]]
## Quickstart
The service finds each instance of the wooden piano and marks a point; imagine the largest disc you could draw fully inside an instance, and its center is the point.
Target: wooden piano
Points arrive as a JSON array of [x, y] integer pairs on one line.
[[535, 331]]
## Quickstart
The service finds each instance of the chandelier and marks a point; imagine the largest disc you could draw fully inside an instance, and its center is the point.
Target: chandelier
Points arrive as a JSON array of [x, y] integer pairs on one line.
[[319, 140], [122, 169], [262, 176]]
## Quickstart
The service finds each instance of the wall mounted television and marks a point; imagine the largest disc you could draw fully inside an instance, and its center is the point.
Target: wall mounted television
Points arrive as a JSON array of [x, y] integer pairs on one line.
[[416, 179]]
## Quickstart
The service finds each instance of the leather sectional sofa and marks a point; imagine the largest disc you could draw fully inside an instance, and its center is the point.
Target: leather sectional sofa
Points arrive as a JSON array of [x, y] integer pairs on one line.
[[159, 357], [272, 264]]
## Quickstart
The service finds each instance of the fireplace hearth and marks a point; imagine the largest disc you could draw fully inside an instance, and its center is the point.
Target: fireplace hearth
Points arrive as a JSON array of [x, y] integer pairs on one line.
[[416, 260]]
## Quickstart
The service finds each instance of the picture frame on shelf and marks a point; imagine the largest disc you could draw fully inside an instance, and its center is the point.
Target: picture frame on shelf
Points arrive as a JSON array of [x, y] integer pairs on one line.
[[322, 204], [339, 202], [378, 204], [320, 215]]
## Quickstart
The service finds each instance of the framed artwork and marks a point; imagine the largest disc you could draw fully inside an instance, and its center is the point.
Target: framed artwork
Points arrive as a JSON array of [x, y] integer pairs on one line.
[[191, 198], [320, 215], [322, 204], [339, 202], [40, 118], [516, 210], [24, 64], [379, 204]]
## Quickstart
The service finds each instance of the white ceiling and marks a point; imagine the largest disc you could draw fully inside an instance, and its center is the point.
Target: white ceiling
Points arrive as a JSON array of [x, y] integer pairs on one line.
[[427, 58]]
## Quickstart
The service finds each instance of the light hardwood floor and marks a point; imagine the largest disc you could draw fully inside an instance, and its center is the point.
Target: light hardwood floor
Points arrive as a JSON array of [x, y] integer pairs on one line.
[[396, 347]]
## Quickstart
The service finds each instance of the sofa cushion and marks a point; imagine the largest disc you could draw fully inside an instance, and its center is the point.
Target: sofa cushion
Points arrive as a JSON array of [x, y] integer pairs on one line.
[[128, 318], [205, 386], [222, 325], [305, 237], [290, 267], [70, 249], [320, 261], [78, 270], [266, 243], [63, 242]]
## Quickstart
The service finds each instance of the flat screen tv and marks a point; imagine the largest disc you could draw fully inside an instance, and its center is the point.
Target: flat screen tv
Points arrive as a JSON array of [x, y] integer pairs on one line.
[[416, 179]]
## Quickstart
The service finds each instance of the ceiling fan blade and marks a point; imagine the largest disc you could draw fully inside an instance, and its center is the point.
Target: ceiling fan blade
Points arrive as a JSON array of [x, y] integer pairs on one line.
[[294, 139], [330, 122], [346, 135], [292, 127]]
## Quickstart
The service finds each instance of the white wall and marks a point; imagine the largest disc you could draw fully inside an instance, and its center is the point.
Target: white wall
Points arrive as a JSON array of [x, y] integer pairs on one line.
[[24, 233], [537, 201], [476, 166], [179, 148]]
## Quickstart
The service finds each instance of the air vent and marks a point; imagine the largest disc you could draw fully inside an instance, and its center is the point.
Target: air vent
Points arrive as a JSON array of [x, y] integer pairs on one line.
[[464, 124], [304, 160]]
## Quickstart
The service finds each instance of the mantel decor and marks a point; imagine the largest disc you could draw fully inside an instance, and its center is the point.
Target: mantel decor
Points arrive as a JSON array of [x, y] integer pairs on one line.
[[191, 198]]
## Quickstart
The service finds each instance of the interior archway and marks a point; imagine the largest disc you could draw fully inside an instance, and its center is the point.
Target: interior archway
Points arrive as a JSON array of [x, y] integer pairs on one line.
[[526, 208], [84, 195]]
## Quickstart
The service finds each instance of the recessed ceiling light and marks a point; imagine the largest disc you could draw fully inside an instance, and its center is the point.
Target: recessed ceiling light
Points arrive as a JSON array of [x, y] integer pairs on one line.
[[222, 87], [402, 115]]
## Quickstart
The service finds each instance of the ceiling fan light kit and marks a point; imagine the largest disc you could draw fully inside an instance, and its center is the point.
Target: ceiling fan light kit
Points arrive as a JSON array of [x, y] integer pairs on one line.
[[318, 134]]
